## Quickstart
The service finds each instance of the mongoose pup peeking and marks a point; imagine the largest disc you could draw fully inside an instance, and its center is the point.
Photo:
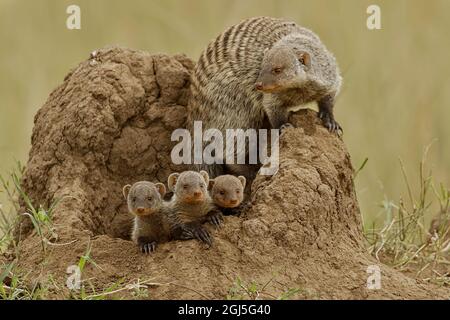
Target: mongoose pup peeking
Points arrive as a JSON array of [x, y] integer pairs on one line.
[[191, 204], [257, 70], [151, 224], [227, 192], [182, 217]]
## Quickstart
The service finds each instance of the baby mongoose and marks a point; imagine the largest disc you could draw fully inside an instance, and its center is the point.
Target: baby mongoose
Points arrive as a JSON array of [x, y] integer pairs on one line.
[[256, 70], [191, 205], [151, 225], [227, 192]]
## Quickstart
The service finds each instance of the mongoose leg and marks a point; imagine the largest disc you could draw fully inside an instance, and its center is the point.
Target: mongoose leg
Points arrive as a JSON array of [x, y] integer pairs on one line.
[[182, 232], [326, 105], [215, 217], [192, 230], [146, 245], [277, 116], [200, 233]]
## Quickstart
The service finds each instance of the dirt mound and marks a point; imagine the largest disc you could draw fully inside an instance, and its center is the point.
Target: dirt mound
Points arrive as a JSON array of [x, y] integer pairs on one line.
[[109, 124]]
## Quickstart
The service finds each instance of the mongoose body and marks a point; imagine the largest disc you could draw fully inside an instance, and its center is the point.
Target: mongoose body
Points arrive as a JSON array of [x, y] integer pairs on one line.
[[191, 204], [227, 192], [256, 71], [151, 224]]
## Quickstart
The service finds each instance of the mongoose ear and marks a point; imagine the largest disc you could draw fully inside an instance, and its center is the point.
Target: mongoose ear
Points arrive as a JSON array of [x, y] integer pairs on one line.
[[243, 181], [304, 58], [172, 181], [161, 189], [211, 184], [126, 190], [205, 176]]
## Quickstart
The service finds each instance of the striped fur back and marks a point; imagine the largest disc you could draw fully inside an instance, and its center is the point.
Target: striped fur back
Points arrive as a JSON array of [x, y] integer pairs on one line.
[[223, 94]]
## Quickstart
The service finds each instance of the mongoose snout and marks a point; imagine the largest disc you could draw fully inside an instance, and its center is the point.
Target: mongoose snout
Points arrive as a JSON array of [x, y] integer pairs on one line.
[[259, 86], [194, 197], [267, 88], [142, 211]]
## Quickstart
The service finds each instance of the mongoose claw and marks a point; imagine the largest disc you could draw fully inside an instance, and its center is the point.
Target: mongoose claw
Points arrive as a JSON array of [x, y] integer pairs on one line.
[[147, 248], [203, 235], [329, 123], [215, 218], [186, 234]]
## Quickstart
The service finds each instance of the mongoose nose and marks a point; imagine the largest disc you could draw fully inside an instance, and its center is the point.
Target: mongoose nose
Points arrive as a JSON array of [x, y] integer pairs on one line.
[[233, 201], [140, 210], [258, 86], [197, 194]]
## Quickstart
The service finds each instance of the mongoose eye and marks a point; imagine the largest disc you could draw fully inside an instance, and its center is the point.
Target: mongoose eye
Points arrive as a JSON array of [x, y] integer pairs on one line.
[[149, 198], [202, 186], [185, 186], [238, 191], [222, 192], [277, 70], [134, 199]]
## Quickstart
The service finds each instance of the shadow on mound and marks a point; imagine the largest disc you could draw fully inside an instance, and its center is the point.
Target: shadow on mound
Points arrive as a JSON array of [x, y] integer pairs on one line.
[[109, 124]]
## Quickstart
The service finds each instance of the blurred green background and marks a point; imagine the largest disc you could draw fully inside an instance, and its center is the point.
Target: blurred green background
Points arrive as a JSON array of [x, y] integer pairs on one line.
[[395, 97]]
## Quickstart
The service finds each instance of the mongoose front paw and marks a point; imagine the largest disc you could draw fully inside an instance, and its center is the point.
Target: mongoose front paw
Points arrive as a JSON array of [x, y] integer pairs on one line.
[[186, 234], [215, 218], [147, 248], [182, 232], [246, 206], [329, 123], [200, 233]]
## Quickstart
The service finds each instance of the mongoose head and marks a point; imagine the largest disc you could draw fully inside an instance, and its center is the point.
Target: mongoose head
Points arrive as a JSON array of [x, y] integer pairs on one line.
[[227, 191], [144, 198], [189, 186], [283, 67]]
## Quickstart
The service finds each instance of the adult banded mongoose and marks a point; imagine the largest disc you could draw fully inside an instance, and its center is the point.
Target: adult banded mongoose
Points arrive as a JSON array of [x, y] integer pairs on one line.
[[255, 71], [151, 224], [227, 193], [191, 205]]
